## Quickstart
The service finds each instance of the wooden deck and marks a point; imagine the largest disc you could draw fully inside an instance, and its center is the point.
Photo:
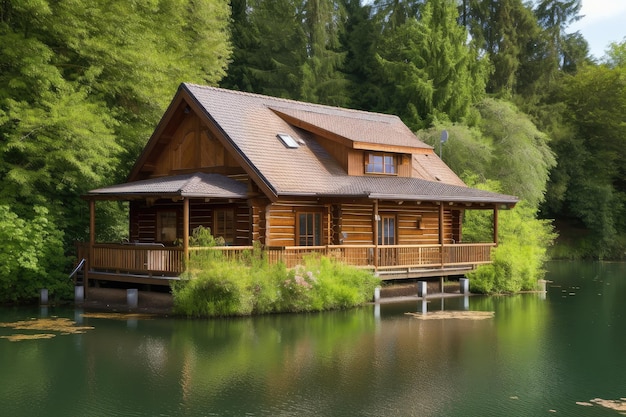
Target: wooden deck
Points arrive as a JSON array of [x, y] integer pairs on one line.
[[157, 264]]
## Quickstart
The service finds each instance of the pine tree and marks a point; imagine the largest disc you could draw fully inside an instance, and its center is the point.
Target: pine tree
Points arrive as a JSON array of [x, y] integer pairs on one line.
[[430, 67], [504, 29], [322, 80]]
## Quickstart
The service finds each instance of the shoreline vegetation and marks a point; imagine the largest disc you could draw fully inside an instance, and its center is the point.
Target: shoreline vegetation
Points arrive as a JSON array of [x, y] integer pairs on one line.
[[215, 286]]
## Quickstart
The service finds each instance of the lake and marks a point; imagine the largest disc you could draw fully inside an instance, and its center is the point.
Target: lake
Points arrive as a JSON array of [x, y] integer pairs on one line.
[[521, 355]]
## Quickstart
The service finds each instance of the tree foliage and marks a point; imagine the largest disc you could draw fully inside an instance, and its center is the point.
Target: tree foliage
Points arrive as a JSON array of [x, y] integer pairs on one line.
[[519, 258], [430, 68], [31, 256], [588, 187], [82, 84], [505, 146]]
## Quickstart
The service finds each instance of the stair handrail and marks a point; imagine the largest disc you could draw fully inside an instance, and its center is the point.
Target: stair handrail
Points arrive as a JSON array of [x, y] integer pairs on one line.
[[78, 267]]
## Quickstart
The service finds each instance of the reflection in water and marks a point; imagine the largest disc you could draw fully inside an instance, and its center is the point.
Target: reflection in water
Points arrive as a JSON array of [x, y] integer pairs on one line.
[[532, 357]]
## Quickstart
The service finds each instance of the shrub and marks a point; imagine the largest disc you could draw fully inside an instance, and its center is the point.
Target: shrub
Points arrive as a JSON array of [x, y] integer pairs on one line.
[[517, 262], [31, 257], [250, 285], [213, 292]]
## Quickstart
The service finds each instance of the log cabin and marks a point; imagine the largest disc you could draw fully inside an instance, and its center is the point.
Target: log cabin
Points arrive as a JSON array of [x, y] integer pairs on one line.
[[296, 178]]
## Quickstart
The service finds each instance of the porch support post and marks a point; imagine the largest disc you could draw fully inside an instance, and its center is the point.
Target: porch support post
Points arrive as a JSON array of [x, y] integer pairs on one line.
[[375, 220], [329, 227], [186, 230], [441, 219], [495, 224], [92, 242]]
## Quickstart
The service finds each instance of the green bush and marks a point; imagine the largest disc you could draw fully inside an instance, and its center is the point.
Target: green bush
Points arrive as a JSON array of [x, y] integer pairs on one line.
[[31, 257], [521, 253], [213, 292], [250, 285]]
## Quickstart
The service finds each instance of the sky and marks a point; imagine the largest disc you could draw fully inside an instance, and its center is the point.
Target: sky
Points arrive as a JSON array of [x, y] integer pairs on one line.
[[604, 22]]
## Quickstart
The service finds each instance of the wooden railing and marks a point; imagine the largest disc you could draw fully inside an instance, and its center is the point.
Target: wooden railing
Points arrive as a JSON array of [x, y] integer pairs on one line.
[[155, 259], [139, 258]]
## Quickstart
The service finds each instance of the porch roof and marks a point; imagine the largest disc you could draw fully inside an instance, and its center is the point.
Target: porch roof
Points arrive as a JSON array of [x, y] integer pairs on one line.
[[411, 189], [199, 185]]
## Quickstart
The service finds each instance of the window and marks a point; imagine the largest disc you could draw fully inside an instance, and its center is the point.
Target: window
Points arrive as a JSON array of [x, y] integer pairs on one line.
[[166, 227], [387, 230], [380, 163], [224, 225], [288, 141], [309, 229]]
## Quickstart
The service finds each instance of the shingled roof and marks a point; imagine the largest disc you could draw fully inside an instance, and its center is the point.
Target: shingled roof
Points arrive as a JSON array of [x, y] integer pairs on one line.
[[249, 124], [189, 185]]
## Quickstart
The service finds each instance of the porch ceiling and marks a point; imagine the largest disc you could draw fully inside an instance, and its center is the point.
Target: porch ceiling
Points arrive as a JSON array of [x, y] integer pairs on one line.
[[199, 185]]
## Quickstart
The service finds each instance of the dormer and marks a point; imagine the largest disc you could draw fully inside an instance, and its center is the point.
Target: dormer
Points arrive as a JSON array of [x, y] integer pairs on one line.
[[363, 143]]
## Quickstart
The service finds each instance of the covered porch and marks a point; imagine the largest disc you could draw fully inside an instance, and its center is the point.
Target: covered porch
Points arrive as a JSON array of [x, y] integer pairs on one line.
[[155, 264], [148, 258]]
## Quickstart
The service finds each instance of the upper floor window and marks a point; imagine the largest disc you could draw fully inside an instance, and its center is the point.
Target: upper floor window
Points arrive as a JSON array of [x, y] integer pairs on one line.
[[380, 163]]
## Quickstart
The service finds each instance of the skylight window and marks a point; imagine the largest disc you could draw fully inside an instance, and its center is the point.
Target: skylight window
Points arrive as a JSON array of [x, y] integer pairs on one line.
[[288, 141]]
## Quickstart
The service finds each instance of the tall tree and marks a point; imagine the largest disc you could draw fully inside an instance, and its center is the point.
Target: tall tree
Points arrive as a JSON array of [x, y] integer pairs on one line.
[[554, 16], [278, 47], [503, 29], [322, 80], [238, 76], [82, 84], [395, 13], [587, 188], [616, 54], [431, 68], [360, 37]]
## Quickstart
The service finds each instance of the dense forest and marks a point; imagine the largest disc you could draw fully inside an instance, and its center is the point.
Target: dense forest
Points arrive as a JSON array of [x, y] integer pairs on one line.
[[528, 111]]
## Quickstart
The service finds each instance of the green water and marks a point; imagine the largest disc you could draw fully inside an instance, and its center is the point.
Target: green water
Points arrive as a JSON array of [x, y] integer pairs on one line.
[[537, 356]]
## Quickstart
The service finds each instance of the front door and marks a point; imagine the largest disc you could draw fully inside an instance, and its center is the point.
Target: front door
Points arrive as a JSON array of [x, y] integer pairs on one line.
[[386, 236]]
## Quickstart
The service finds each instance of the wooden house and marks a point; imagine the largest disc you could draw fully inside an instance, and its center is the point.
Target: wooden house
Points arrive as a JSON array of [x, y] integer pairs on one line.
[[295, 177]]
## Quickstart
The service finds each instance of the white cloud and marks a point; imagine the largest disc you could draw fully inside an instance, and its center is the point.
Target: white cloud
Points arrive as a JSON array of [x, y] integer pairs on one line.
[[596, 10], [603, 23]]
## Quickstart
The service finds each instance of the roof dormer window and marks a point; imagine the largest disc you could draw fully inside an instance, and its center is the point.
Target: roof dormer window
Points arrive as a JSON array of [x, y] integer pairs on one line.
[[288, 141], [380, 163]]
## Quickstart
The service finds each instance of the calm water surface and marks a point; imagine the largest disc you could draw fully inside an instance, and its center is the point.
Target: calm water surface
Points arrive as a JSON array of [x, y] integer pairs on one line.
[[537, 356]]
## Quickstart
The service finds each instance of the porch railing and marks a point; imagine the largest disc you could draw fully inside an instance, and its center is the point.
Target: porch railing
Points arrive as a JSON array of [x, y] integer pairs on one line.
[[153, 259]]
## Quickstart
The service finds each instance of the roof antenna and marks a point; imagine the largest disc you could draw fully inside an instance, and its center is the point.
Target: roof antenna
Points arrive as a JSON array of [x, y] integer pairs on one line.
[[444, 138]]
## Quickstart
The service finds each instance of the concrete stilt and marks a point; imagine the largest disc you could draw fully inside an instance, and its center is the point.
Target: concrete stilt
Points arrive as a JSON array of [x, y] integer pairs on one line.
[[464, 284], [422, 289], [376, 294], [79, 294], [132, 297], [43, 296]]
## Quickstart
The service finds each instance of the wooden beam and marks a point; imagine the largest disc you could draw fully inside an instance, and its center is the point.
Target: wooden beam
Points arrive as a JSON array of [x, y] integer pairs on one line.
[[441, 223], [495, 224], [92, 223], [375, 220], [329, 225], [186, 230], [92, 242]]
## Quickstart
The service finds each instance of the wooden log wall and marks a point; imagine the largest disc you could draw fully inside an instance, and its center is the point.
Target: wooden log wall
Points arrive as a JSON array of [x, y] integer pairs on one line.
[[415, 225], [356, 224], [281, 221], [143, 218]]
